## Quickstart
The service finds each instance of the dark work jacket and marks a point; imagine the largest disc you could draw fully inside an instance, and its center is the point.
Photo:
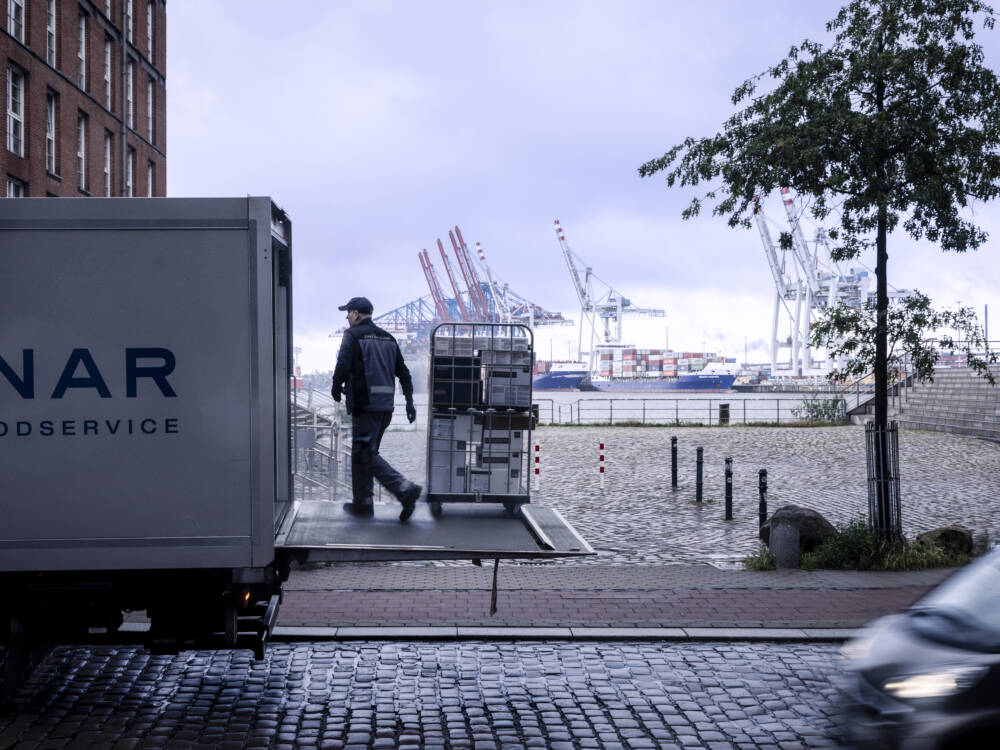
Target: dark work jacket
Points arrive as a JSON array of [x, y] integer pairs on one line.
[[368, 364]]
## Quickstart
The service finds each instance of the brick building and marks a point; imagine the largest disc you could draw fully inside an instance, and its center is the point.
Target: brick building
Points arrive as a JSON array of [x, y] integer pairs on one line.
[[85, 104]]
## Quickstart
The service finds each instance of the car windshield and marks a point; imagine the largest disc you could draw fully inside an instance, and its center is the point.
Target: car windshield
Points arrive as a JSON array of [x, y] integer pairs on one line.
[[965, 609]]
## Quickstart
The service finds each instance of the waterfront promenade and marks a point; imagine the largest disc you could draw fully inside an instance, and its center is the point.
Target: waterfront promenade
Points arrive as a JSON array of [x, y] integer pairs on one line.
[[663, 560], [638, 520]]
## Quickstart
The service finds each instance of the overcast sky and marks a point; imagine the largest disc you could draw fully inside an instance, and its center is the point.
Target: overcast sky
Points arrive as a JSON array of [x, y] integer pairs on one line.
[[380, 125]]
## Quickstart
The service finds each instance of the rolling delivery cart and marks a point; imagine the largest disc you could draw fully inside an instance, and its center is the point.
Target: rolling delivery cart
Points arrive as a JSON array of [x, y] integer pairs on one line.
[[479, 430]]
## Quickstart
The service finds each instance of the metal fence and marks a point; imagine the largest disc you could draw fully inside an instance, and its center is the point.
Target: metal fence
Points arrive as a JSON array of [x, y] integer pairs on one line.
[[707, 411], [322, 440], [321, 432]]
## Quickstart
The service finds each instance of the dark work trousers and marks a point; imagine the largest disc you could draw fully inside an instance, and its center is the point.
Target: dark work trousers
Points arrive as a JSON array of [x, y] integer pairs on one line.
[[366, 463]]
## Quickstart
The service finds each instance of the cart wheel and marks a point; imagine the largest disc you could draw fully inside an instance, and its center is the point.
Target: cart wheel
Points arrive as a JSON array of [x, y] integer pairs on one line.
[[511, 508], [436, 508]]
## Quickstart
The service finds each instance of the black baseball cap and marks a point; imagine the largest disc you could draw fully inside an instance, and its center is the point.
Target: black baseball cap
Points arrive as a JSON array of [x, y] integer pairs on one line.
[[361, 304]]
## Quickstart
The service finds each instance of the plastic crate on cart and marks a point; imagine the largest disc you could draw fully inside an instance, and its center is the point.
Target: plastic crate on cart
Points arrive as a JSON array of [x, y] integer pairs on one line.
[[458, 394]]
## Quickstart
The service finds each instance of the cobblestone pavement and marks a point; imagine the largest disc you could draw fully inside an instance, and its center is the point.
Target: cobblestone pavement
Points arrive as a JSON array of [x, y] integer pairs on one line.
[[487, 696], [637, 520]]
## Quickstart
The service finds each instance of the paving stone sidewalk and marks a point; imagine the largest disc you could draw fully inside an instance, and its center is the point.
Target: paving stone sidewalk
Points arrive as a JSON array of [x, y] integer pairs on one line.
[[659, 553], [636, 520], [596, 596]]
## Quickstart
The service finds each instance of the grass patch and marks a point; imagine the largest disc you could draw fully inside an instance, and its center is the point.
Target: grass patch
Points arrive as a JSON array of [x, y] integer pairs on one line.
[[763, 560], [857, 547]]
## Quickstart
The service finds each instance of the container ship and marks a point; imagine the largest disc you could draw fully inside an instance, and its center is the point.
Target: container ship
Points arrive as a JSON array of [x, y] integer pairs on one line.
[[560, 376], [713, 378], [622, 368]]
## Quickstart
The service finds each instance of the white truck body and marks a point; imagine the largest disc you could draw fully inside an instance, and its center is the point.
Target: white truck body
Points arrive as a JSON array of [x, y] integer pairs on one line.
[[145, 432], [144, 389]]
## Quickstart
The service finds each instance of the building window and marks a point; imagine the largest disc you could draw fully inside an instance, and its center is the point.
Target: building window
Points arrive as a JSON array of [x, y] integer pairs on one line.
[[149, 109], [149, 29], [15, 19], [15, 111], [107, 164], [128, 19], [50, 132], [50, 32], [81, 151], [130, 93], [81, 55], [150, 173], [129, 172], [15, 188], [107, 73]]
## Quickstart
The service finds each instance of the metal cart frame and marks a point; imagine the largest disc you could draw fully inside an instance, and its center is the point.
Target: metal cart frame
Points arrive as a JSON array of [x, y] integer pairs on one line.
[[480, 414]]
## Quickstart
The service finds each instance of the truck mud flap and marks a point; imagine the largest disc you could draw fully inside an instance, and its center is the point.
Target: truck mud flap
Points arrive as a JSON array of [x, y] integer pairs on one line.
[[319, 531]]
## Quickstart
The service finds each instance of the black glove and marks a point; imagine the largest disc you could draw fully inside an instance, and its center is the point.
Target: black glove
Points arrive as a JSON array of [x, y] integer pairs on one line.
[[411, 411], [335, 392]]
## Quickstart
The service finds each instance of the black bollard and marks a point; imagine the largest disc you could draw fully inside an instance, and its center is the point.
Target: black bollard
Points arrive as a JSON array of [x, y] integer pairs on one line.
[[762, 486], [697, 481], [673, 463], [729, 489]]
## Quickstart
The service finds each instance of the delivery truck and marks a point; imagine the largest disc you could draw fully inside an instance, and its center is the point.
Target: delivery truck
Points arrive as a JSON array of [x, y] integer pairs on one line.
[[146, 436]]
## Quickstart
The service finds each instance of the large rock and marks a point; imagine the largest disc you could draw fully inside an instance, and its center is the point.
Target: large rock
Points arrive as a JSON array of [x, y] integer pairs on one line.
[[956, 540], [812, 527]]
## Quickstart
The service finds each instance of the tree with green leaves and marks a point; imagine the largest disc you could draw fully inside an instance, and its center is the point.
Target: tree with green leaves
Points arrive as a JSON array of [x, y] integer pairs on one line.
[[894, 124], [849, 334]]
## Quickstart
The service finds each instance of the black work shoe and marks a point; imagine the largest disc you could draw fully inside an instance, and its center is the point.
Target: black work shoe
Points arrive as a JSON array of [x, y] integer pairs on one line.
[[409, 501], [359, 510]]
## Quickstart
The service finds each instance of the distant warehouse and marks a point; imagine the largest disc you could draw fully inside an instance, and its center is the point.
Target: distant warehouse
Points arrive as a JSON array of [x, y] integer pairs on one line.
[[85, 105]]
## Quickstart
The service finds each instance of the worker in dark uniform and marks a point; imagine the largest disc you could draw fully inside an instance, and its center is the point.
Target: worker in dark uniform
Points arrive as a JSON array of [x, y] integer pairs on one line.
[[368, 364]]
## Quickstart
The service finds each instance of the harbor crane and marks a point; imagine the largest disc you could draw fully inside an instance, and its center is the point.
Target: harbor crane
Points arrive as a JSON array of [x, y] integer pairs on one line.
[[806, 262], [435, 286], [811, 289], [469, 272], [607, 305], [500, 303], [451, 277], [491, 301], [785, 291]]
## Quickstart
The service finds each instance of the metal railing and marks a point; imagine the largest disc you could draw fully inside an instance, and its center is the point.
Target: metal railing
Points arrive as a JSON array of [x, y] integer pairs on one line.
[[678, 411], [322, 444], [322, 453]]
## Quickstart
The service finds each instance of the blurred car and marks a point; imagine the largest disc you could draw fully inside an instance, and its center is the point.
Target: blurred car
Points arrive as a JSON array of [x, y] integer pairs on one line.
[[930, 677]]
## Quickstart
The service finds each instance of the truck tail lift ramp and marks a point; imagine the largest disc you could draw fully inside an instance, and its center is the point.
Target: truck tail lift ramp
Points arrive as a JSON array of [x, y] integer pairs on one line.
[[320, 531]]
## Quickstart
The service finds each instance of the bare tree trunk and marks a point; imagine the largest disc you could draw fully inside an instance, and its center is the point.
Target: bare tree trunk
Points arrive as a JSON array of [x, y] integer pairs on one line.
[[883, 521]]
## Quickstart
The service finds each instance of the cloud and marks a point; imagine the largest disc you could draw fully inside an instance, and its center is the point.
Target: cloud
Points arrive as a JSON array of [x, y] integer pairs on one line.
[[380, 125]]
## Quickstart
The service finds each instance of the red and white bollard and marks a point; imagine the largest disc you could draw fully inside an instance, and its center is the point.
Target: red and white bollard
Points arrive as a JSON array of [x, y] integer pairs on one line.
[[538, 470], [602, 465]]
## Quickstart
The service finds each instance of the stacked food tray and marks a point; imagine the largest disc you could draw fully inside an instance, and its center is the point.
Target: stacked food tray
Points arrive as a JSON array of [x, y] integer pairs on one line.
[[479, 431]]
